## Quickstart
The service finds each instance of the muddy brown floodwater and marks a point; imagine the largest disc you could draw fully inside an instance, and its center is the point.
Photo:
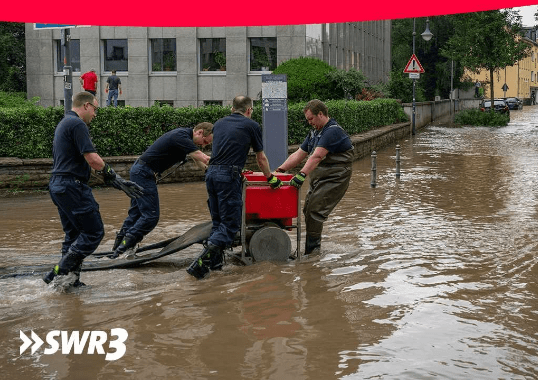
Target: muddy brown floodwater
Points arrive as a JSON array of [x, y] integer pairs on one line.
[[433, 276]]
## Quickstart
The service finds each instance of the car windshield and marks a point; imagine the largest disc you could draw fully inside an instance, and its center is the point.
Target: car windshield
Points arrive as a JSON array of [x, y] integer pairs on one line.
[[497, 103]]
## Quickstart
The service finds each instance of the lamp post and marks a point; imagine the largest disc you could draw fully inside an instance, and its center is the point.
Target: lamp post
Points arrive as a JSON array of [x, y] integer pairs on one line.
[[427, 35]]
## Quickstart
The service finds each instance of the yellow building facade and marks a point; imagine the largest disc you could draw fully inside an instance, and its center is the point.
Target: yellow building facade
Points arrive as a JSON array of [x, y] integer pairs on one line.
[[521, 79]]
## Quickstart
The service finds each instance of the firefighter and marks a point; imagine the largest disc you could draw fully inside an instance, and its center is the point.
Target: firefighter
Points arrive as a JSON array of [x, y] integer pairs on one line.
[[330, 157]]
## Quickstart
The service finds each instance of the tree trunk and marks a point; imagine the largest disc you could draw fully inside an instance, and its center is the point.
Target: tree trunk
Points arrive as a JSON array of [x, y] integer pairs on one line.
[[492, 109]]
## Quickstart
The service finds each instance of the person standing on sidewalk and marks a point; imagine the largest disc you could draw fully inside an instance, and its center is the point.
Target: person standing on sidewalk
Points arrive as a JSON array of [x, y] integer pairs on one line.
[[113, 85], [330, 157], [169, 149], [88, 82], [73, 158], [233, 136]]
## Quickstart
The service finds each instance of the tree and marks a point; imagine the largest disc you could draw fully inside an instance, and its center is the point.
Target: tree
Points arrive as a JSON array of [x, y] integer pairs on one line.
[[307, 78], [436, 79], [487, 41], [12, 57]]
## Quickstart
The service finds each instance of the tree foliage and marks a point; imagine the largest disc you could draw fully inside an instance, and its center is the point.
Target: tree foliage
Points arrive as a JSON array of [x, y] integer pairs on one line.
[[346, 84], [12, 57], [401, 87], [307, 78], [487, 41], [438, 68]]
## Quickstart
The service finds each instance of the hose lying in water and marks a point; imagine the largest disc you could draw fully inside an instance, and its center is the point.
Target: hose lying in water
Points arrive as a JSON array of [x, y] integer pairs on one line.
[[197, 234]]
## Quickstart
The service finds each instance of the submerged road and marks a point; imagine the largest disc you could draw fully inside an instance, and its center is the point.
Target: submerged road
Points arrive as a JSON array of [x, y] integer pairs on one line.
[[432, 276]]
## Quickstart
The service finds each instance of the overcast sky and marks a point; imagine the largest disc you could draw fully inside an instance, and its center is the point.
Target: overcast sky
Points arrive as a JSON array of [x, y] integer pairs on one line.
[[528, 15]]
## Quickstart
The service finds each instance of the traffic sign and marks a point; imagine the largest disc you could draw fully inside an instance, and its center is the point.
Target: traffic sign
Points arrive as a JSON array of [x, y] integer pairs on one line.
[[57, 26], [52, 26], [413, 66], [414, 75]]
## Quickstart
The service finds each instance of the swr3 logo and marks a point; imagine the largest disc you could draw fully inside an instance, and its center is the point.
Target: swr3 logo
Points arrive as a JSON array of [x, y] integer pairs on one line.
[[73, 341]]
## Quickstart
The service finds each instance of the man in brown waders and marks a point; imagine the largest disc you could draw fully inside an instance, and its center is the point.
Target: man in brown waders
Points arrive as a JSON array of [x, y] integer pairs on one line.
[[329, 167]]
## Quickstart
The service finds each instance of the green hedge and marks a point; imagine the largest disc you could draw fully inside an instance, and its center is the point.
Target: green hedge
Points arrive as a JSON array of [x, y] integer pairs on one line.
[[477, 117], [28, 132]]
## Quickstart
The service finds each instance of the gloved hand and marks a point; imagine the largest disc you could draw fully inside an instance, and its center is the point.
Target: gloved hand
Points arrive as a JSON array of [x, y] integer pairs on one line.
[[274, 182], [298, 180], [111, 178], [132, 189]]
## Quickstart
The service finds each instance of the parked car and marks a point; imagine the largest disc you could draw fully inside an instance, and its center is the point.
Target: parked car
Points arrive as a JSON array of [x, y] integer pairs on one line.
[[499, 105], [514, 103]]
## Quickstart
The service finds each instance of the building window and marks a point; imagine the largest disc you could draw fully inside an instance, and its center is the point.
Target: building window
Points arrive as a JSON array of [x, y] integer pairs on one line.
[[532, 76], [160, 103], [74, 48], [116, 55], [212, 102], [263, 54], [163, 54], [212, 54]]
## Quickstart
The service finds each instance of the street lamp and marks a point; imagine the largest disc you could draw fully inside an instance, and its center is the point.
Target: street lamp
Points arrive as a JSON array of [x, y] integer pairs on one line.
[[427, 35]]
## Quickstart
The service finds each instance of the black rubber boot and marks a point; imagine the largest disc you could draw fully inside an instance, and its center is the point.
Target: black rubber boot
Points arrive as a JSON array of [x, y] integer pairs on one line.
[[129, 241], [77, 271], [70, 262], [119, 237], [217, 259], [210, 258], [312, 244]]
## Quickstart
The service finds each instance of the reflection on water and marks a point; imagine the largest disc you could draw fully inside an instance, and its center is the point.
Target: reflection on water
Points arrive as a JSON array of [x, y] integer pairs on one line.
[[433, 275]]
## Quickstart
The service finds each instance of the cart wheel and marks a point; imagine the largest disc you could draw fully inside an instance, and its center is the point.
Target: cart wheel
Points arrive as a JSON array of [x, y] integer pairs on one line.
[[270, 244]]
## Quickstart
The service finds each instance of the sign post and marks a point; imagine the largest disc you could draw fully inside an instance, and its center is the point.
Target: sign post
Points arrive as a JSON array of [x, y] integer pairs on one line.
[[414, 69], [68, 70]]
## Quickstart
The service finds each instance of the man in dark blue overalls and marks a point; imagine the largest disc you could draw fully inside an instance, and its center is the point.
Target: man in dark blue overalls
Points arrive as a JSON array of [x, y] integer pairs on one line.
[[73, 157], [169, 149], [233, 136], [329, 167]]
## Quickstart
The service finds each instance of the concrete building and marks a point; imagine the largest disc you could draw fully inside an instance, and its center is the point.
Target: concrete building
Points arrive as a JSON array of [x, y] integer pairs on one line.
[[197, 66], [521, 78]]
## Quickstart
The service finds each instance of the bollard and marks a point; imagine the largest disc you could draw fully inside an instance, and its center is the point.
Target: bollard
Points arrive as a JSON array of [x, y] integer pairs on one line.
[[397, 161], [374, 169]]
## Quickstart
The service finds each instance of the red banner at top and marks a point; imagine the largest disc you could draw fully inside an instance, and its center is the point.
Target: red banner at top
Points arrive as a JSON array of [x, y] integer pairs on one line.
[[217, 13]]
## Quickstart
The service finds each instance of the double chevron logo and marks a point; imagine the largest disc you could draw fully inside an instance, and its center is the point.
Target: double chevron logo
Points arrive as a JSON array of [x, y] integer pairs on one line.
[[74, 342]]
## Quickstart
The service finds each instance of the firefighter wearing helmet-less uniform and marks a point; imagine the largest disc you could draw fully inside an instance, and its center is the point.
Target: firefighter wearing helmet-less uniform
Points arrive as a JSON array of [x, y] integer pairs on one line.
[[329, 168]]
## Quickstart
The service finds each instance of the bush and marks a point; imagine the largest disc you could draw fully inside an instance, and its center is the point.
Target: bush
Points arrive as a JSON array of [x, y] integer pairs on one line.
[[346, 84], [480, 118], [306, 78], [355, 117], [401, 87], [16, 100], [28, 133], [369, 94]]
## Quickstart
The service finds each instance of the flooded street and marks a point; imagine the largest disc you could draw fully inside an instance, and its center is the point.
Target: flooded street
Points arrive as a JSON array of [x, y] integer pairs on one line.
[[432, 276]]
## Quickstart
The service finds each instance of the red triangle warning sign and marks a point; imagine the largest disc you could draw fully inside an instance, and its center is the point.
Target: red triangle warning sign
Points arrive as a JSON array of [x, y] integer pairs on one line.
[[413, 66]]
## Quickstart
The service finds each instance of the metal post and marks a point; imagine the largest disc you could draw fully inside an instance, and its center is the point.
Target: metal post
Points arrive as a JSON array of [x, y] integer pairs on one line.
[[452, 110], [374, 168], [414, 80], [299, 254], [68, 72], [397, 161]]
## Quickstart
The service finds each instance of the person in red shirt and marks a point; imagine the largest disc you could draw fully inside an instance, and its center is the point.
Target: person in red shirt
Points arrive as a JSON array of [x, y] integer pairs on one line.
[[88, 82]]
